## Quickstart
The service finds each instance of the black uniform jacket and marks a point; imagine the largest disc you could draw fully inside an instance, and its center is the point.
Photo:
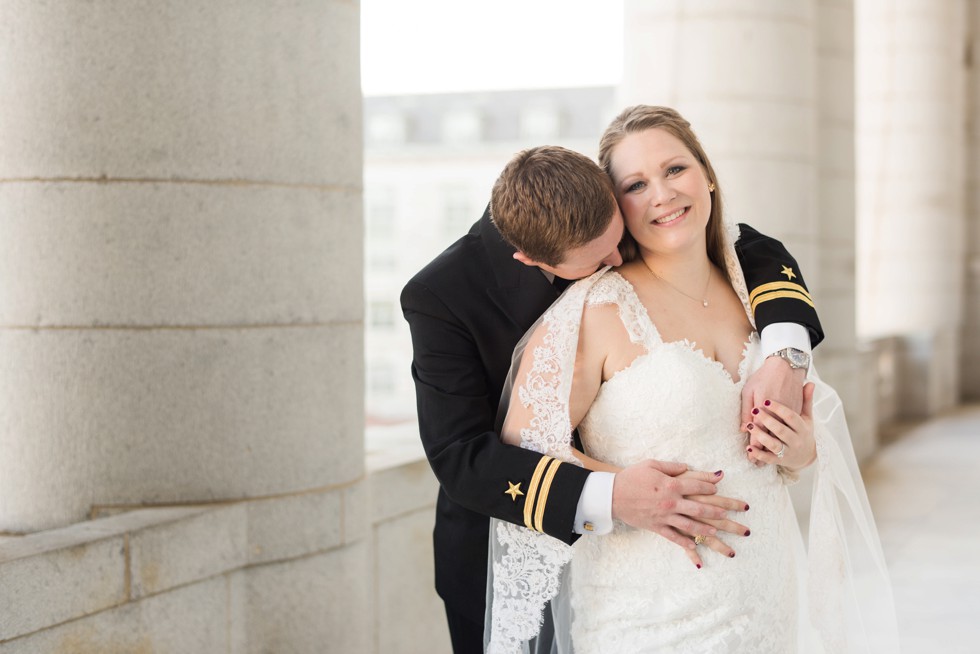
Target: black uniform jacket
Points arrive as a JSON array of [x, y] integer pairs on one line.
[[467, 310]]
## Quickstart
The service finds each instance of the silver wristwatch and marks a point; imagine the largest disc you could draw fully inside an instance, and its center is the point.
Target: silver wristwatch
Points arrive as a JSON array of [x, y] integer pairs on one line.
[[796, 358]]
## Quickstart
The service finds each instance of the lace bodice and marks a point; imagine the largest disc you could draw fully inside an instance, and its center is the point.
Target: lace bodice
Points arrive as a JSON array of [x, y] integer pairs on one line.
[[634, 591]]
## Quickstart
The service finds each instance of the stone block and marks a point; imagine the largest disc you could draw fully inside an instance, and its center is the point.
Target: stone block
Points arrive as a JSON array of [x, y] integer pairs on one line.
[[189, 620], [56, 576], [294, 525], [758, 9], [730, 128], [837, 316], [776, 197], [908, 27], [94, 417], [835, 89], [319, 603], [357, 511], [410, 616], [178, 255], [928, 371], [835, 28], [402, 489], [836, 215], [838, 269], [746, 57], [649, 38], [186, 550], [835, 150], [918, 143], [213, 91], [237, 612]]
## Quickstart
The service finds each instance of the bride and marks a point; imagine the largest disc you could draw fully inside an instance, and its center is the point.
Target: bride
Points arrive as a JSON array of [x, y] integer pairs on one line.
[[647, 361]]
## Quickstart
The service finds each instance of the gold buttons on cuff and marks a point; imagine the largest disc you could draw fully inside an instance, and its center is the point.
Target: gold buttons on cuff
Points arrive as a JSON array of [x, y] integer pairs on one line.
[[588, 526]]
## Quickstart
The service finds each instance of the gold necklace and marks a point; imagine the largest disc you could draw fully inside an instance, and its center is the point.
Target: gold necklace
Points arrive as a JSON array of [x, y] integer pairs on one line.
[[703, 300]]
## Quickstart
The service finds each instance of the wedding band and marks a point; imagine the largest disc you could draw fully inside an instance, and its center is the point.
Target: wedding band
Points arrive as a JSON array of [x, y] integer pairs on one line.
[[699, 539], [781, 452]]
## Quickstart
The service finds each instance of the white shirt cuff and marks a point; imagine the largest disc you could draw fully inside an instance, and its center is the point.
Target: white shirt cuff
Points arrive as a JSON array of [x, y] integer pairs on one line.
[[785, 334], [594, 512]]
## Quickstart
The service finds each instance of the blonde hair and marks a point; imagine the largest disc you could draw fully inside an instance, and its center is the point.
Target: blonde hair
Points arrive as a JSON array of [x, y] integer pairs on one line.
[[640, 118]]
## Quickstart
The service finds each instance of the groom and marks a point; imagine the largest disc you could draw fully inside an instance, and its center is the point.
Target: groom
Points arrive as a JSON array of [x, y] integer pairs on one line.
[[558, 220]]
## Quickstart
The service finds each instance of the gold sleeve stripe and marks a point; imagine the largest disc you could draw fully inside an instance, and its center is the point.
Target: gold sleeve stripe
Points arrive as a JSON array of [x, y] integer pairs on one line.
[[780, 294], [532, 490], [777, 286], [543, 495]]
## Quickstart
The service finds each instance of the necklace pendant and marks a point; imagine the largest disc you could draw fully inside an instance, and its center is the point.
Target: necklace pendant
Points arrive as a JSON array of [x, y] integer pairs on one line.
[[705, 303]]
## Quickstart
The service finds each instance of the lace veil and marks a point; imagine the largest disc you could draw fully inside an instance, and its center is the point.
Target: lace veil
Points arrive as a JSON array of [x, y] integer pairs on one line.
[[846, 605]]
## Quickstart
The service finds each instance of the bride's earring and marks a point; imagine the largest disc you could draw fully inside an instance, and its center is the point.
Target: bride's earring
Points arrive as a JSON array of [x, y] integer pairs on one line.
[[711, 187]]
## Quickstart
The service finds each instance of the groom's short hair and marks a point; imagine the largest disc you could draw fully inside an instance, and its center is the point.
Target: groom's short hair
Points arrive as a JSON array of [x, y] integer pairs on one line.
[[549, 200]]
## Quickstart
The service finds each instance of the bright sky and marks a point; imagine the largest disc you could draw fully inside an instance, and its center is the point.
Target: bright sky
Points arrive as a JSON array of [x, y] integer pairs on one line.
[[431, 46]]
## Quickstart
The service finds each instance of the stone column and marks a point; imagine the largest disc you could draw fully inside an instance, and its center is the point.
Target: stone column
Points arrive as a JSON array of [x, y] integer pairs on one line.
[[970, 373], [911, 156], [744, 75], [768, 86], [181, 283], [843, 363]]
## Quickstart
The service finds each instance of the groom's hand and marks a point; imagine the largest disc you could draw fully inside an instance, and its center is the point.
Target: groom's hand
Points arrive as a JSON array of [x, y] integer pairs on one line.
[[652, 495]]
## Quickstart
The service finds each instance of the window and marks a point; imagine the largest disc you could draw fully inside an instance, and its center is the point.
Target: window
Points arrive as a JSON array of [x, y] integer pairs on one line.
[[379, 205], [462, 126], [458, 213], [381, 314], [540, 124], [381, 378], [387, 128]]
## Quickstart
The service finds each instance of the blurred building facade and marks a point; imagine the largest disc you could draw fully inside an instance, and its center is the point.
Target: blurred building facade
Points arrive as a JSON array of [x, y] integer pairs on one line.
[[429, 164]]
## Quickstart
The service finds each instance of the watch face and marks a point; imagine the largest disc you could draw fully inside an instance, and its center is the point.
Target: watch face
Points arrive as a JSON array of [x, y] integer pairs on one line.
[[798, 358]]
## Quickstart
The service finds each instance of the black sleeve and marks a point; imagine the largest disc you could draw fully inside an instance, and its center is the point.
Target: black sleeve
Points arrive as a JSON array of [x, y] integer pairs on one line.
[[456, 423], [777, 292]]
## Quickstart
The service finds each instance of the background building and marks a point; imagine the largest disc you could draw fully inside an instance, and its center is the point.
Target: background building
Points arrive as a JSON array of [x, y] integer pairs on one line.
[[429, 164]]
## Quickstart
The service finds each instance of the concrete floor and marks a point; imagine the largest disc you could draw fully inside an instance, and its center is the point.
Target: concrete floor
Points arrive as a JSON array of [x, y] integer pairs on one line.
[[924, 488]]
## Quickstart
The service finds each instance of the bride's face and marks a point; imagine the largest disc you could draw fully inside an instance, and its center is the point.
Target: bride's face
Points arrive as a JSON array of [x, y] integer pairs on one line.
[[662, 191]]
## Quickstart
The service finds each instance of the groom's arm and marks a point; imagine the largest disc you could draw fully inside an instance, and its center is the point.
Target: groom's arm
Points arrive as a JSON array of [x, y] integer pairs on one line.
[[785, 316], [777, 292], [456, 408]]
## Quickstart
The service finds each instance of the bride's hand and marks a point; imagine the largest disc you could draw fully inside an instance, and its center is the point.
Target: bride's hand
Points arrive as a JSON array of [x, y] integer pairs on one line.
[[783, 431], [732, 506]]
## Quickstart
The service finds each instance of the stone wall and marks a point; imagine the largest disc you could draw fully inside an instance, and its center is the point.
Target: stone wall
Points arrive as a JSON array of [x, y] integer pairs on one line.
[[346, 570]]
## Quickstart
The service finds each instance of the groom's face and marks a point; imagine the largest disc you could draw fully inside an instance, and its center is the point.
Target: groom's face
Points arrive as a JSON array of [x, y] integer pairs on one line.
[[584, 260]]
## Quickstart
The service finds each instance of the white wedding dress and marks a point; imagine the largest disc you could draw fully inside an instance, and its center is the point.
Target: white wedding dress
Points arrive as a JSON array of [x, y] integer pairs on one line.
[[634, 591]]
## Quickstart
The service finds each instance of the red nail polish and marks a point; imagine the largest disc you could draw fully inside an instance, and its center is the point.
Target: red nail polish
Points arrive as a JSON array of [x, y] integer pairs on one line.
[[718, 474], [768, 402], [755, 412], [699, 565], [732, 555], [748, 449], [751, 426], [746, 507], [747, 532]]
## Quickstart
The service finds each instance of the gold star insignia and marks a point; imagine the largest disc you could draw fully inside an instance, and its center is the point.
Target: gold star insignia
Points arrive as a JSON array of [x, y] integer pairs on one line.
[[788, 272], [514, 490]]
